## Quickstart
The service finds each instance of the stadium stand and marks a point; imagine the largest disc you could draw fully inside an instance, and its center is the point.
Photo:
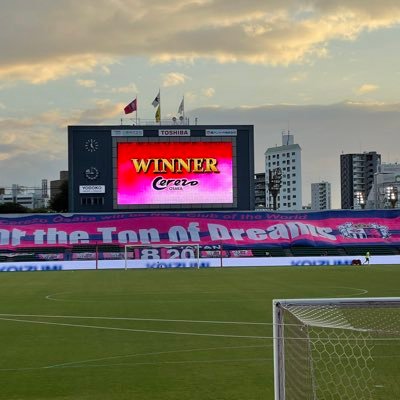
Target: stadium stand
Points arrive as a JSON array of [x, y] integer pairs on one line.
[[115, 251], [269, 252], [305, 251], [374, 250]]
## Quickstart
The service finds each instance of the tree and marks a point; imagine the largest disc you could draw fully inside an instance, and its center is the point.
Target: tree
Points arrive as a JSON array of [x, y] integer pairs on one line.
[[59, 202], [13, 208], [41, 210]]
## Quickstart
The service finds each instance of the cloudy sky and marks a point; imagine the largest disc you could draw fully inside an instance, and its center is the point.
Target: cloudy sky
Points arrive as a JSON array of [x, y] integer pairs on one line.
[[328, 70]]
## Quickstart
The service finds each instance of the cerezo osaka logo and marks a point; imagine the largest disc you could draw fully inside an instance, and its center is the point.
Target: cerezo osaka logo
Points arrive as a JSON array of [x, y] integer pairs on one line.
[[364, 231]]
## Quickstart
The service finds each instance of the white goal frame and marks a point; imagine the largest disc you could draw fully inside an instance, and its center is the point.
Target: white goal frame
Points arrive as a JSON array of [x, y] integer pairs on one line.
[[280, 307], [194, 246]]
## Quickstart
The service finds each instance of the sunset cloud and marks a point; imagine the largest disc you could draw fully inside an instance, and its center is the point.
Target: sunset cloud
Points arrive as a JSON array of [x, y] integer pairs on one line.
[[174, 79], [52, 69], [91, 34], [88, 83], [132, 89], [44, 154], [367, 88], [209, 92]]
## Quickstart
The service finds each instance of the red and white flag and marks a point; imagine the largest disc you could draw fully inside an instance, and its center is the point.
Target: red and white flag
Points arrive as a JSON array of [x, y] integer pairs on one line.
[[131, 107]]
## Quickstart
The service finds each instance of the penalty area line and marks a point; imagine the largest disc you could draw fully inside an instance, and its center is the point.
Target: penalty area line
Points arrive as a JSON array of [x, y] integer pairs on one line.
[[137, 319], [134, 330], [157, 353]]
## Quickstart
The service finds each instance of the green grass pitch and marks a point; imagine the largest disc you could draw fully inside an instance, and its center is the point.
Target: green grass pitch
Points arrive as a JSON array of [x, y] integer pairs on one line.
[[157, 334]]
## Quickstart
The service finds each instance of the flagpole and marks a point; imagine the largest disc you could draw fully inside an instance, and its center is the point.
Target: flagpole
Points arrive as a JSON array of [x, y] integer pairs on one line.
[[136, 107], [157, 104]]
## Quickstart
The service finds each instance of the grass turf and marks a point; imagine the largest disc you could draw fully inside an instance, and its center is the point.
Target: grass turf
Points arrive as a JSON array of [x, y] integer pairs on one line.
[[174, 349]]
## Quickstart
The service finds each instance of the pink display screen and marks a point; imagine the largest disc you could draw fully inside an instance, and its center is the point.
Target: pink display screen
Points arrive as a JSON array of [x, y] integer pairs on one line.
[[174, 173]]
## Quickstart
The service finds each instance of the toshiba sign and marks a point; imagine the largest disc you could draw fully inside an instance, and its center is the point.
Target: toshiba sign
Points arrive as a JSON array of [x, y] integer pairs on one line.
[[174, 132]]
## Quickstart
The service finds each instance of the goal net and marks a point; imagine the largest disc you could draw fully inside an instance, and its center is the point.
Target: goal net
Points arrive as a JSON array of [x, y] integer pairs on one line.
[[162, 253], [347, 349]]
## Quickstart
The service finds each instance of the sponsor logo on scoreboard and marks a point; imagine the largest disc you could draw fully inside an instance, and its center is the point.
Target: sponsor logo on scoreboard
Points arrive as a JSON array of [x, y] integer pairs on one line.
[[127, 132], [174, 132], [84, 189], [221, 132]]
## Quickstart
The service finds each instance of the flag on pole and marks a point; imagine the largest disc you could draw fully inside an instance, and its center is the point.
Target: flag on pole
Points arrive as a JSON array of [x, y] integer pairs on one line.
[[156, 101], [158, 114], [131, 107], [181, 109]]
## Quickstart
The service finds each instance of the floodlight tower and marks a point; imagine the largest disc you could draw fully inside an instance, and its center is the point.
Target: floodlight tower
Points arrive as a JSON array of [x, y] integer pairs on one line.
[[392, 195], [360, 199], [274, 184]]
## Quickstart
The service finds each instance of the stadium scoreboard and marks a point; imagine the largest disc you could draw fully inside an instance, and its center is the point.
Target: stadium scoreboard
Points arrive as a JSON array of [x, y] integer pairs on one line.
[[163, 168]]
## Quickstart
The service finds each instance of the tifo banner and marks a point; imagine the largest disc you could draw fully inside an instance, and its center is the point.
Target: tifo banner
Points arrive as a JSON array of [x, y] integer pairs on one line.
[[236, 229]]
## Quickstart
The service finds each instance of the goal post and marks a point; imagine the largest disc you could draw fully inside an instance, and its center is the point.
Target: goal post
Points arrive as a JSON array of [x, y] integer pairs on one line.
[[339, 348], [170, 251]]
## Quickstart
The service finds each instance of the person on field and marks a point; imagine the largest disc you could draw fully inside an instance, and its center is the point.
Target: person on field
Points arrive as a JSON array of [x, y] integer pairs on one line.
[[367, 255]]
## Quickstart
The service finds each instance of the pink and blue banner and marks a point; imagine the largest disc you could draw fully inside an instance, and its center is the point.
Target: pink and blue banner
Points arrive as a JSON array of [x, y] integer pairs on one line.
[[232, 229]]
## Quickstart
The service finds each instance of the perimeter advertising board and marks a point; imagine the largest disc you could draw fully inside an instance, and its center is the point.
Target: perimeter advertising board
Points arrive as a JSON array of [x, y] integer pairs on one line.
[[160, 168]]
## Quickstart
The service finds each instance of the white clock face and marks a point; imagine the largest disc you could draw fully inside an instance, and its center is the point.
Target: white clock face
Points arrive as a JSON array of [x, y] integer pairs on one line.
[[91, 145], [92, 173]]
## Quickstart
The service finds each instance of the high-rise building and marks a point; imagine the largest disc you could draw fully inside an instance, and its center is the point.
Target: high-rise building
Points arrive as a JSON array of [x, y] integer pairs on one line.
[[321, 196], [259, 190], [30, 197], [45, 189], [55, 186], [356, 177], [286, 161], [386, 188]]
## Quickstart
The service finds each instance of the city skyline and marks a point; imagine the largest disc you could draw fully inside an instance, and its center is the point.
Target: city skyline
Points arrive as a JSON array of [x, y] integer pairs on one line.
[[325, 71]]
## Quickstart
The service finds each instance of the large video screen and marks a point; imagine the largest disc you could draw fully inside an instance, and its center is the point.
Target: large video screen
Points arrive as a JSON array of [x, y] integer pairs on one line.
[[195, 172]]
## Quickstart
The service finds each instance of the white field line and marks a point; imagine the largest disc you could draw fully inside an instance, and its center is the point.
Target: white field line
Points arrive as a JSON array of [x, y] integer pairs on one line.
[[157, 363], [51, 297], [138, 319], [142, 363], [131, 364], [269, 359], [157, 353], [181, 333], [358, 292], [171, 362], [134, 330], [81, 363]]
